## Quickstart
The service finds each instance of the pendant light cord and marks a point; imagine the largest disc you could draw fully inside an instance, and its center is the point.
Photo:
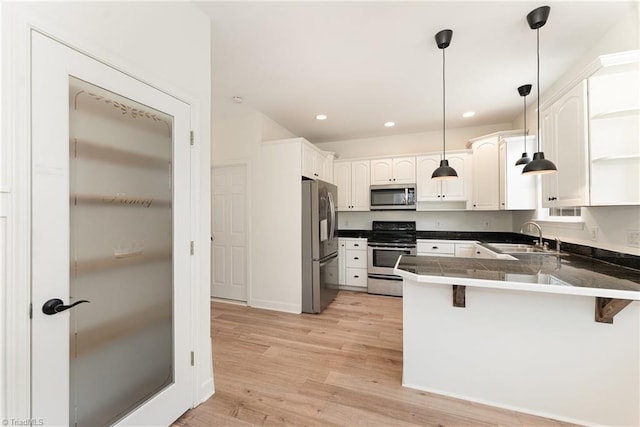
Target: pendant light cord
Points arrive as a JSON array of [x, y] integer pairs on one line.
[[525, 123], [538, 82], [443, 108]]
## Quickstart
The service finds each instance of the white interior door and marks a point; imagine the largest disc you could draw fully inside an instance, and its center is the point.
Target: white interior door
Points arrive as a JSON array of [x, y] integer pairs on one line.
[[229, 217], [110, 224]]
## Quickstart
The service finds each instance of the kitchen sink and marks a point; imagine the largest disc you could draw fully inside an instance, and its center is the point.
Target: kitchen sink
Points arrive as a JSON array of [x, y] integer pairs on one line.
[[516, 248]]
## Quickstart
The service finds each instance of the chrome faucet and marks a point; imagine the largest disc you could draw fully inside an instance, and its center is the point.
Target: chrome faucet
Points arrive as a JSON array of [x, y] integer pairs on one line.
[[539, 231]]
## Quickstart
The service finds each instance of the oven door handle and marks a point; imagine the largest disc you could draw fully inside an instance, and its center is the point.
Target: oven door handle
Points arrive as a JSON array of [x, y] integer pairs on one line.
[[384, 277]]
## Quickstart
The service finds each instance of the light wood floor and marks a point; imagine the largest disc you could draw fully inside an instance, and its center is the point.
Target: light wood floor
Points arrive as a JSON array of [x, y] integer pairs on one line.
[[342, 367]]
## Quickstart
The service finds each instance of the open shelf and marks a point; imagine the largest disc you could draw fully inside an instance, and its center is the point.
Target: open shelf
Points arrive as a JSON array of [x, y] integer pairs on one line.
[[616, 158], [617, 113]]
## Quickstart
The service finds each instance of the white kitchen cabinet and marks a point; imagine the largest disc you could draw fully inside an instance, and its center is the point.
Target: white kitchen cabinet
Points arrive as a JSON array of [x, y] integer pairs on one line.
[[465, 250], [516, 191], [614, 135], [448, 190], [564, 141], [486, 173], [352, 254], [397, 170], [435, 248], [316, 164], [498, 184], [352, 180]]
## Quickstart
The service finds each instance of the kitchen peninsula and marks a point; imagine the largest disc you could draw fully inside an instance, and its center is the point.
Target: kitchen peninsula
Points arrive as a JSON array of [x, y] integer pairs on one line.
[[555, 335]]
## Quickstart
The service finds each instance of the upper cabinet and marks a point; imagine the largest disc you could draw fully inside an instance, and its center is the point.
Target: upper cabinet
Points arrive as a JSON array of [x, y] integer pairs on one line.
[[564, 142], [448, 190], [498, 184], [614, 129], [517, 191], [398, 170], [485, 173], [316, 164], [352, 180]]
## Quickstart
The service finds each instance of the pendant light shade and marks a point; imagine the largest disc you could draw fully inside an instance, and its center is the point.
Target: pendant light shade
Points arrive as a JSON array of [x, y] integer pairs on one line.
[[524, 90], [444, 171], [539, 165]]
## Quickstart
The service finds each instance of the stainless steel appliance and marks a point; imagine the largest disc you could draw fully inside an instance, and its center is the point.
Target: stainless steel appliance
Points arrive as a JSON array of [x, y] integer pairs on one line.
[[388, 240], [392, 197], [319, 245]]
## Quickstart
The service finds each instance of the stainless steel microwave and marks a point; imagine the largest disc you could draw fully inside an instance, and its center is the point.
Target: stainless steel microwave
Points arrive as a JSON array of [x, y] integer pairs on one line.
[[393, 196]]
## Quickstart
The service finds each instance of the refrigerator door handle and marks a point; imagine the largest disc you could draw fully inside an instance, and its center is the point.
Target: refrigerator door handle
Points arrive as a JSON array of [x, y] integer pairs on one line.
[[324, 261], [332, 208]]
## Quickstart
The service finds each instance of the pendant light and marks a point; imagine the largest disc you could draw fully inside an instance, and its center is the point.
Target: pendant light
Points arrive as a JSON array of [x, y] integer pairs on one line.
[[444, 171], [524, 90], [539, 165]]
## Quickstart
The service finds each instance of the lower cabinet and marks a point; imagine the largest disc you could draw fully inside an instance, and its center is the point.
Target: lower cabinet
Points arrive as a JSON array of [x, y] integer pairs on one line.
[[452, 248], [352, 253]]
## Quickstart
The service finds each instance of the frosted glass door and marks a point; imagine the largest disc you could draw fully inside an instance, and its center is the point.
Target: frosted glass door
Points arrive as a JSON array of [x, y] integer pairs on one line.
[[121, 253], [110, 225]]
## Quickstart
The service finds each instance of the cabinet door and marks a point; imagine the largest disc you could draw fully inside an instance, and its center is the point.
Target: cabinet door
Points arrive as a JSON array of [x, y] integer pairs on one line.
[[456, 189], [381, 171], [308, 162], [342, 179], [342, 264], [547, 141], [502, 178], [428, 189], [404, 170], [485, 174], [319, 161], [571, 148], [327, 170], [360, 191]]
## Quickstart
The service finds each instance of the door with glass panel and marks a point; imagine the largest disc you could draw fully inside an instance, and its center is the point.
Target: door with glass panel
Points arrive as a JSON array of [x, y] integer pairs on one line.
[[110, 233]]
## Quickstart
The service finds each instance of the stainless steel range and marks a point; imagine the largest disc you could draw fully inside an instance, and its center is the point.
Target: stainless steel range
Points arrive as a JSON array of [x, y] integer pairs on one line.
[[388, 240]]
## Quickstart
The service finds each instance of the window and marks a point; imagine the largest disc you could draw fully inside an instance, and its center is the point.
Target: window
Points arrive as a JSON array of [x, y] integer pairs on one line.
[[565, 212]]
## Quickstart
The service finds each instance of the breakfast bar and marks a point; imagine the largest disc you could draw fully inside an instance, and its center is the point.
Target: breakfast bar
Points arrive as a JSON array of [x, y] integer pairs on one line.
[[554, 334]]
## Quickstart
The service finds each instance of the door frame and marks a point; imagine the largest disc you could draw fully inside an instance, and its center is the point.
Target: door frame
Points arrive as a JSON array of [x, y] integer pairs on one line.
[[248, 174], [15, 196]]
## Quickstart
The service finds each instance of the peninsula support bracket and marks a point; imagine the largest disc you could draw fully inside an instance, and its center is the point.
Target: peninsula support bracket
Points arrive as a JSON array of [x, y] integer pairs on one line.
[[607, 308], [459, 295]]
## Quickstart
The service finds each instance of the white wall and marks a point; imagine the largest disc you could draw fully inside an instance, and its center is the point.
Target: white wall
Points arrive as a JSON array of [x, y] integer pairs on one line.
[[612, 222], [164, 44]]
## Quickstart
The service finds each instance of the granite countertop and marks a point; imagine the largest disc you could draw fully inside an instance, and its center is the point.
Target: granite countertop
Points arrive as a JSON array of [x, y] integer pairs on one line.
[[565, 273]]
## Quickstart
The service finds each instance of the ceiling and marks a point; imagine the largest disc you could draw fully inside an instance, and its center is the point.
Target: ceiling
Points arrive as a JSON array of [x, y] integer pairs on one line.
[[365, 63]]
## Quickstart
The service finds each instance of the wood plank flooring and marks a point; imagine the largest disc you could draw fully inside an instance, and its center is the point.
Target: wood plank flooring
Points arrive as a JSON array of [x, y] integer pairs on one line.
[[342, 367]]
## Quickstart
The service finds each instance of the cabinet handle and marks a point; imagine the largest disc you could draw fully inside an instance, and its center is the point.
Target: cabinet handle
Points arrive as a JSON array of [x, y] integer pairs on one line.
[[389, 179], [434, 247], [356, 245], [438, 196], [474, 206], [355, 257], [355, 276], [478, 252], [502, 204]]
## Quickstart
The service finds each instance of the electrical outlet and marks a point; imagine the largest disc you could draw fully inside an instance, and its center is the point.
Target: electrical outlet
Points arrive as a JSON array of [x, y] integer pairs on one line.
[[486, 225], [633, 238], [593, 231], [437, 224]]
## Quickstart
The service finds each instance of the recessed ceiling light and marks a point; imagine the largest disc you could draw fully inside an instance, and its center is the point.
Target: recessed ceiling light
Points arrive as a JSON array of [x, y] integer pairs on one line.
[[321, 117], [469, 114], [389, 124]]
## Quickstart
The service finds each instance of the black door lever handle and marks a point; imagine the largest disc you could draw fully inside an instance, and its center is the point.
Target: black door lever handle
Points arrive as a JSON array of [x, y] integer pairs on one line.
[[56, 305]]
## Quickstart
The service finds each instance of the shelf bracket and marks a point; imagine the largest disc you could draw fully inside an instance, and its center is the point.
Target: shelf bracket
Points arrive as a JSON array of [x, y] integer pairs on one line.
[[459, 295], [607, 308]]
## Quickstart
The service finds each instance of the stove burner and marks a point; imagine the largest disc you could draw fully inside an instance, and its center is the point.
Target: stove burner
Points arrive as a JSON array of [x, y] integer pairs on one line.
[[393, 232]]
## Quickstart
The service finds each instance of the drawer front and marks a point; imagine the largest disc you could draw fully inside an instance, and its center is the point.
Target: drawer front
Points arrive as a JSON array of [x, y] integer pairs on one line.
[[356, 259], [357, 277], [435, 248], [357, 244]]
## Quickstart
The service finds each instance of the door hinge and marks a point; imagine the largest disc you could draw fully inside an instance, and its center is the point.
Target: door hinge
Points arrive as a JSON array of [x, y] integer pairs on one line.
[[191, 137], [192, 248], [193, 359]]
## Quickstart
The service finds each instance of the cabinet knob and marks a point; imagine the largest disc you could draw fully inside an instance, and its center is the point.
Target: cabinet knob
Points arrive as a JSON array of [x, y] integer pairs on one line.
[[389, 179], [394, 179], [502, 204], [443, 196], [474, 206], [438, 196]]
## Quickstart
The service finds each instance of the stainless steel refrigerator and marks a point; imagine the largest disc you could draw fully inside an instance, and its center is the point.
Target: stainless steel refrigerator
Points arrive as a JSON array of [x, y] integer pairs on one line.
[[319, 245]]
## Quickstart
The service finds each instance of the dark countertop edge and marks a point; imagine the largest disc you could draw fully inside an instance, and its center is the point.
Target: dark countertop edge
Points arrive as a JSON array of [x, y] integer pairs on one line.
[[618, 258]]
